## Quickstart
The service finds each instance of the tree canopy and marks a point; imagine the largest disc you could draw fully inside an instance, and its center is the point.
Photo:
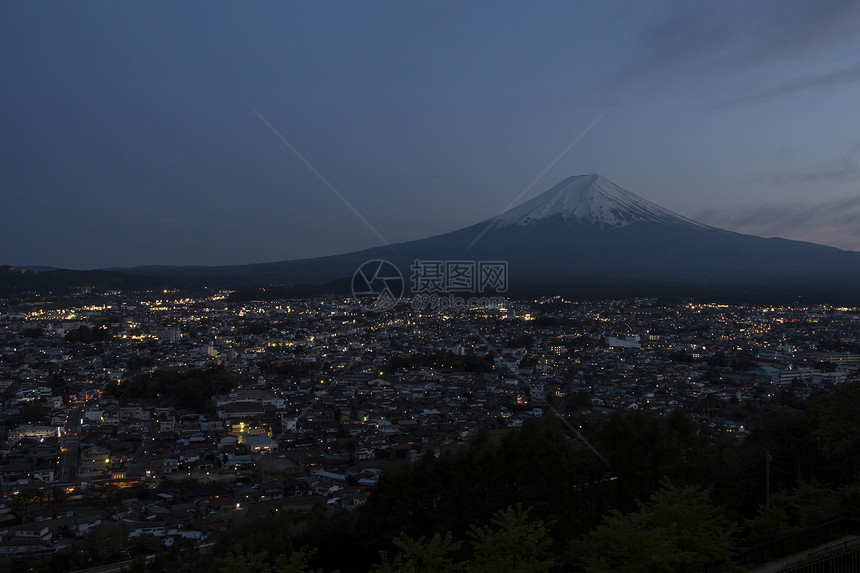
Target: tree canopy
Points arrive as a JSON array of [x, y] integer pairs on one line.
[[191, 389]]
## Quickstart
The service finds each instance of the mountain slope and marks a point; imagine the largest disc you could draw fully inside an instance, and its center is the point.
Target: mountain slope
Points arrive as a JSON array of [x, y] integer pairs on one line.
[[583, 235], [591, 199]]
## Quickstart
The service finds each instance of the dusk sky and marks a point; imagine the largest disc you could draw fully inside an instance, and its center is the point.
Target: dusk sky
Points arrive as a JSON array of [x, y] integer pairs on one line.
[[173, 133]]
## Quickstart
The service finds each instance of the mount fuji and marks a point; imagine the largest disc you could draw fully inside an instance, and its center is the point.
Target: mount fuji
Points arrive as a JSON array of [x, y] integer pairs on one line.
[[591, 199], [585, 236]]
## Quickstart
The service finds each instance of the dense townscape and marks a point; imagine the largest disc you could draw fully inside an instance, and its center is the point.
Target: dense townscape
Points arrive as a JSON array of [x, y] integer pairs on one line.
[[180, 416]]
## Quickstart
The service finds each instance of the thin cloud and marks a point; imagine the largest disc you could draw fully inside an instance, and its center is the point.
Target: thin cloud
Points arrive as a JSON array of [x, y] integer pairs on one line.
[[725, 44], [836, 223], [740, 33], [841, 168], [848, 75]]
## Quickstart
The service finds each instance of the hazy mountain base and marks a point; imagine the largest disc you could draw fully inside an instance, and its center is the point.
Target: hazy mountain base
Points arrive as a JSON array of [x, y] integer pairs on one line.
[[584, 231], [553, 258]]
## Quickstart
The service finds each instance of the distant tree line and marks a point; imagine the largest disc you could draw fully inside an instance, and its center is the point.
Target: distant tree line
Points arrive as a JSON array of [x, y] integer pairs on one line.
[[443, 360], [187, 389], [88, 334]]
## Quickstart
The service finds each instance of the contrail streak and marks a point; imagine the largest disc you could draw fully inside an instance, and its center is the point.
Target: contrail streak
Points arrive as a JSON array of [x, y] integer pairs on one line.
[[541, 174], [319, 175]]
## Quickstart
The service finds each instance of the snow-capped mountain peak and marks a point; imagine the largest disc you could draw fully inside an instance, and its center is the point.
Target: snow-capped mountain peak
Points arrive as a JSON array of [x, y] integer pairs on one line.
[[591, 199]]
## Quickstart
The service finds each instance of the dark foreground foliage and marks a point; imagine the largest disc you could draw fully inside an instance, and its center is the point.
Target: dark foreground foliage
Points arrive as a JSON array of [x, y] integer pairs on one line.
[[672, 495]]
